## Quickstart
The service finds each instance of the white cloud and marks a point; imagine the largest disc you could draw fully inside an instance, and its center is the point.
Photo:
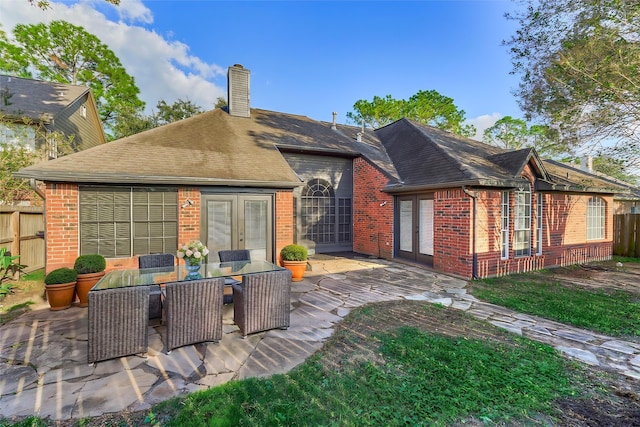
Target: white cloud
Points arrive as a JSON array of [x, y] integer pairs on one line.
[[162, 69], [483, 122]]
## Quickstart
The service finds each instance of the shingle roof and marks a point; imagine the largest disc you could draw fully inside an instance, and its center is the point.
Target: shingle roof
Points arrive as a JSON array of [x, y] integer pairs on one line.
[[429, 157], [36, 99], [564, 175]]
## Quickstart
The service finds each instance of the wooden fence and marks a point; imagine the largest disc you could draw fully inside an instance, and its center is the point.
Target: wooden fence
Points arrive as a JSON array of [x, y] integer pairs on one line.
[[22, 233], [626, 239]]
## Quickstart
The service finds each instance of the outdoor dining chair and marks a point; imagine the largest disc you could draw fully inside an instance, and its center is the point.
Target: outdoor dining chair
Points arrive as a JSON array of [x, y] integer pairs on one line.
[[118, 322], [193, 311], [156, 261], [262, 301], [231, 255]]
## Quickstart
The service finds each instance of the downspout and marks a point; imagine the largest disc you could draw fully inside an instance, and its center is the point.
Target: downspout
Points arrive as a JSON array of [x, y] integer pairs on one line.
[[474, 262]]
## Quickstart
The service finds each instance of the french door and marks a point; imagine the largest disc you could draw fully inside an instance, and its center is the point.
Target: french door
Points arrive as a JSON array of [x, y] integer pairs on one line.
[[414, 225], [238, 221]]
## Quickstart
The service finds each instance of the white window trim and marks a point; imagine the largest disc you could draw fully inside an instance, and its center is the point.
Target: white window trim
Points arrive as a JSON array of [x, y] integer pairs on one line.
[[525, 211], [504, 225], [539, 216], [596, 206]]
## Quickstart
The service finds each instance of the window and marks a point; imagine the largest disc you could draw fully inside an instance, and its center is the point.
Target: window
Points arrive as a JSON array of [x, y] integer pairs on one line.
[[121, 222], [321, 221], [522, 223], [504, 235], [595, 218], [539, 224]]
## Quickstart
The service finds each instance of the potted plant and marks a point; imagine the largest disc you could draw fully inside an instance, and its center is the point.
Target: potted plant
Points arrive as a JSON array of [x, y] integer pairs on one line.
[[294, 258], [90, 269], [60, 285]]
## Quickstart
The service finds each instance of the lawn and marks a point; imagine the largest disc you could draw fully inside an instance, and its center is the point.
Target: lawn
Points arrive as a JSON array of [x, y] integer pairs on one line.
[[588, 302]]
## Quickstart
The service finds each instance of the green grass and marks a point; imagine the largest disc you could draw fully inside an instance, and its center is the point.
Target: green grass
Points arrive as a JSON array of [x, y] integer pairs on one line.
[[36, 275], [614, 313], [419, 379]]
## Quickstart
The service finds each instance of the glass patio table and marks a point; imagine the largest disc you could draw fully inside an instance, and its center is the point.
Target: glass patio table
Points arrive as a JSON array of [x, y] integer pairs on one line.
[[160, 275]]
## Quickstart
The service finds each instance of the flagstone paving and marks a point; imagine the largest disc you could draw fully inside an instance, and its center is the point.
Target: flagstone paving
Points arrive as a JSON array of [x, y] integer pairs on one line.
[[43, 354]]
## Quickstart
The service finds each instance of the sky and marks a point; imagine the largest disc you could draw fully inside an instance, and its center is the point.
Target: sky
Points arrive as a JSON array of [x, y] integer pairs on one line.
[[309, 58]]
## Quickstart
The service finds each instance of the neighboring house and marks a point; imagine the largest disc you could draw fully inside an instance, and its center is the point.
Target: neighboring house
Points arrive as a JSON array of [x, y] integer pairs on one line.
[[256, 179], [48, 107]]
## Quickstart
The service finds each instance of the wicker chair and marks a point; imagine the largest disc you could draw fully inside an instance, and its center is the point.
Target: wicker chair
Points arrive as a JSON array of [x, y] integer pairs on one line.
[[234, 255], [156, 261], [262, 301], [231, 256], [118, 322], [193, 312]]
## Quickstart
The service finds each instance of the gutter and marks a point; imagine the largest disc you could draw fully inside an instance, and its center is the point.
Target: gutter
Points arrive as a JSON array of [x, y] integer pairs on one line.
[[474, 254], [400, 188], [154, 180]]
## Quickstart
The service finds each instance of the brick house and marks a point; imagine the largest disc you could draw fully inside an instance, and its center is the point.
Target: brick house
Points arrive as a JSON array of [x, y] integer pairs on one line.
[[248, 178]]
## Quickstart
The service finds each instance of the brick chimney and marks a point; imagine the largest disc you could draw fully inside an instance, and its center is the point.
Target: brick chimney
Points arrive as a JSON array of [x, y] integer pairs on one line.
[[238, 91]]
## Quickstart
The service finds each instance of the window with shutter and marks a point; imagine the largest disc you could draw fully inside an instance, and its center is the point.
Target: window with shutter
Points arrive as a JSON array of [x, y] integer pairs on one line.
[[125, 221]]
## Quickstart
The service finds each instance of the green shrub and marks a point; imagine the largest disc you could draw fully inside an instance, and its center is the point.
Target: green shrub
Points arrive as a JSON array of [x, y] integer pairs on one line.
[[294, 253], [61, 275], [92, 263]]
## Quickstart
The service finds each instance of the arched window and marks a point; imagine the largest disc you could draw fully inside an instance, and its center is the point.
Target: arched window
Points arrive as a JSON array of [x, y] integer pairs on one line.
[[596, 209], [318, 211]]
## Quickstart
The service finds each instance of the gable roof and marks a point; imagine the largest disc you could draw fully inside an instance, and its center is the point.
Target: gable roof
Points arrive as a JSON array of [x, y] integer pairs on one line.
[[36, 99], [426, 157]]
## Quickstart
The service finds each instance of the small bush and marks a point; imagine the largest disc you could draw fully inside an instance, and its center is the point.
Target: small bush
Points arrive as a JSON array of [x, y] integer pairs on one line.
[[61, 275], [294, 253], [92, 263]]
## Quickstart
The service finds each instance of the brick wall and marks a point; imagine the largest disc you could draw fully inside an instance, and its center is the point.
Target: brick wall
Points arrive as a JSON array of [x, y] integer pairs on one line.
[[283, 233], [62, 233], [564, 234], [372, 223], [452, 222]]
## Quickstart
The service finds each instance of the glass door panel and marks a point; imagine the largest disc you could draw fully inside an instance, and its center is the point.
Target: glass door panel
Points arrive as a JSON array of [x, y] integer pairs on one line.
[[406, 225], [425, 218]]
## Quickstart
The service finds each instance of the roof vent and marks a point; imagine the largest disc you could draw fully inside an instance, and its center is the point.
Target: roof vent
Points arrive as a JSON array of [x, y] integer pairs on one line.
[[238, 91], [333, 125], [359, 136]]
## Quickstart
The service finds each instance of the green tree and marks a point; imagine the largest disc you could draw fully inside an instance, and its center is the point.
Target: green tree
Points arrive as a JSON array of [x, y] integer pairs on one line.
[[220, 102], [428, 107], [134, 121], [578, 62], [65, 53], [515, 134], [179, 110]]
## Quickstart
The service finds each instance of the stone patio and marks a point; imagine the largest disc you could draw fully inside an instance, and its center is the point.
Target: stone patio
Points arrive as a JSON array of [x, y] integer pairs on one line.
[[43, 354]]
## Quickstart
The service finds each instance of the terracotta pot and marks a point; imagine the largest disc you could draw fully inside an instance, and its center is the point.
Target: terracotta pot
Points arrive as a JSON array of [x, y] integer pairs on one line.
[[60, 296], [84, 285], [297, 269]]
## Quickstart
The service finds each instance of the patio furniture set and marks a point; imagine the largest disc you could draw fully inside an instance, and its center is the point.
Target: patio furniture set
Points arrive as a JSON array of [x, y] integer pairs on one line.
[[123, 301]]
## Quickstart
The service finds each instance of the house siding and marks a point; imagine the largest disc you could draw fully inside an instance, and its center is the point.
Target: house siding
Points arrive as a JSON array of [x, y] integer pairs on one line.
[[62, 218], [87, 130], [372, 223]]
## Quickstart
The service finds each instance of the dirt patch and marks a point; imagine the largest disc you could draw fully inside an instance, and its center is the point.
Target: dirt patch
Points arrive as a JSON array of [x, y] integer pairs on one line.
[[605, 276]]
